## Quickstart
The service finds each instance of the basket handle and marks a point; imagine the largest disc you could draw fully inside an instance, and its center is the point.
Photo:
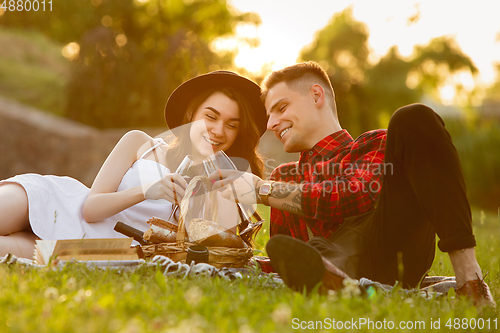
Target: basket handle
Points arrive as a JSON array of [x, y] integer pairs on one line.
[[184, 206]]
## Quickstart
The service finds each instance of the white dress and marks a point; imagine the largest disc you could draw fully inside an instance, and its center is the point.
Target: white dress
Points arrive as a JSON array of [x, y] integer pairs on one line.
[[56, 203]]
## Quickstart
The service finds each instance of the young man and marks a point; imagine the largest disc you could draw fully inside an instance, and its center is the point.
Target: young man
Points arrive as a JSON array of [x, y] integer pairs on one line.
[[368, 207]]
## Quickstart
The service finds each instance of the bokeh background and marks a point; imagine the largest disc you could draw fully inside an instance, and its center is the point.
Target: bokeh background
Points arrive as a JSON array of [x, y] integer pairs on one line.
[[73, 79]]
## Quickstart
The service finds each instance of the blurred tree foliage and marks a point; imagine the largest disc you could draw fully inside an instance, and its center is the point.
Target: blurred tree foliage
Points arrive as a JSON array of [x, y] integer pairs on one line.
[[133, 53], [493, 91], [367, 93], [477, 143]]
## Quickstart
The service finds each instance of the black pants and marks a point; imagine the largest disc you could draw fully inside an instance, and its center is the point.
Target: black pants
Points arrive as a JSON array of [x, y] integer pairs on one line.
[[423, 194]]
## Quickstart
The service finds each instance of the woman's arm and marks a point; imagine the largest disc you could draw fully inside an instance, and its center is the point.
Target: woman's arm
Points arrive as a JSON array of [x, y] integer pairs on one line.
[[103, 200]]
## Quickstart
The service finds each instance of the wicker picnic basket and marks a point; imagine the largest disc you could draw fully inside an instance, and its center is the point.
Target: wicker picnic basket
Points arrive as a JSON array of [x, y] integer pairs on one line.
[[219, 256]]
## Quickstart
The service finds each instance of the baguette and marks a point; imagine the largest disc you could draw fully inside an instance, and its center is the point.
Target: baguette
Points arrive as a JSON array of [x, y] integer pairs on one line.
[[209, 233], [160, 231]]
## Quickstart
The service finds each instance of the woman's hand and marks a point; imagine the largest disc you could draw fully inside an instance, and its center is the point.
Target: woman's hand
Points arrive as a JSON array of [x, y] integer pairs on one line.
[[171, 188]]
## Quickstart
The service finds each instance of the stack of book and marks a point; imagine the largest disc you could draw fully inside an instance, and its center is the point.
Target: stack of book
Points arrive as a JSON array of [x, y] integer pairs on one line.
[[101, 249]]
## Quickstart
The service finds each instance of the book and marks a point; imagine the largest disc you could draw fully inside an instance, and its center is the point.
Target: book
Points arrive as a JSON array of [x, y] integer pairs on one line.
[[84, 250]]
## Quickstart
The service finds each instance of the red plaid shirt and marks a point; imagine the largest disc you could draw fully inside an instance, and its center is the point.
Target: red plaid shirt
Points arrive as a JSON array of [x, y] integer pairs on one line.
[[340, 177]]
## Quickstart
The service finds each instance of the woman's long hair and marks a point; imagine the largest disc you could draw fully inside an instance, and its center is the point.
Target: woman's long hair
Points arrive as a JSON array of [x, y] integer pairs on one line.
[[244, 147]]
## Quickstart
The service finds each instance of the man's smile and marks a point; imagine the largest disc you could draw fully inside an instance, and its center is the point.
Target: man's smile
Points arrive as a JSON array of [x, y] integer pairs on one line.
[[284, 131]]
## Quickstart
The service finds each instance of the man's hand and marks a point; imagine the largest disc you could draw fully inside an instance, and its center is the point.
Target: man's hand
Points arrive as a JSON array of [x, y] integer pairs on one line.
[[236, 185]]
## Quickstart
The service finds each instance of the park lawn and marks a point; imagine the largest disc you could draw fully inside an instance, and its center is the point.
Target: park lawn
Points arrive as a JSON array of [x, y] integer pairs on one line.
[[79, 299]]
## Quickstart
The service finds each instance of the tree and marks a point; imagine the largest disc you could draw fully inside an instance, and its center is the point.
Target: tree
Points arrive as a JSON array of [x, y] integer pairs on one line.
[[493, 92], [132, 54], [342, 49], [366, 92]]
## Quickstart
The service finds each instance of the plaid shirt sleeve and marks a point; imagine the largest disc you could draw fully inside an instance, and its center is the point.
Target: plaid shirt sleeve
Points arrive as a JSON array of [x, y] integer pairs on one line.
[[353, 189], [279, 224]]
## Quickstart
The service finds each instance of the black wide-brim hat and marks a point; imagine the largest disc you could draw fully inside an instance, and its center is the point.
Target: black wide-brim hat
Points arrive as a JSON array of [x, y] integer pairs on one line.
[[179, 100]]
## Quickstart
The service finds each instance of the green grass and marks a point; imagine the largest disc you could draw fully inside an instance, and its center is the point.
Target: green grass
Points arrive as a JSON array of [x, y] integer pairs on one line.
[[33, 70], [79, 299]]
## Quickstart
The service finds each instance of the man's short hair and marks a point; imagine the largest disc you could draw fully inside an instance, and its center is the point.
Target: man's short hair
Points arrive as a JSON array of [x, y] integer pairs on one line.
[[300, 77]]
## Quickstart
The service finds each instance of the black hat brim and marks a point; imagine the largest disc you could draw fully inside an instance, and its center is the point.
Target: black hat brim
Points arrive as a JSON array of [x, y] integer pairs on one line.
[[179, 100]]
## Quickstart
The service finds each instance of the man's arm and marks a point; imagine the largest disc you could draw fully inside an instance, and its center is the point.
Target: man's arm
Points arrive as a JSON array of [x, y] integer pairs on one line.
[[355, 187], [283, 196], [344, 188], [352, 191], [245, 186], [346, 195]]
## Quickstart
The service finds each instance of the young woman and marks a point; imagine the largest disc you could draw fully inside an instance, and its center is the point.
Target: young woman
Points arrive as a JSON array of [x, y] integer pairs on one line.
[[219, 110]]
